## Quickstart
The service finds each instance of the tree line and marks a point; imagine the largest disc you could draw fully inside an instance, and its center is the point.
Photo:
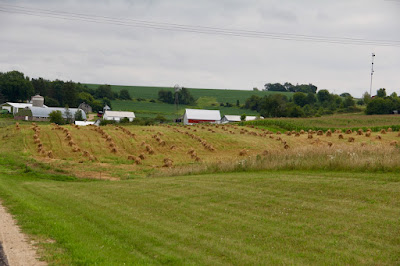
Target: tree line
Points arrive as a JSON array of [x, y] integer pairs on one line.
[[289, 87], [301, 104], [16, 87]]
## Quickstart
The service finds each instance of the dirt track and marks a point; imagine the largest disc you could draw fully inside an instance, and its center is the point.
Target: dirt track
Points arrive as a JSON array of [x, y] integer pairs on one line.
[[16, 248]]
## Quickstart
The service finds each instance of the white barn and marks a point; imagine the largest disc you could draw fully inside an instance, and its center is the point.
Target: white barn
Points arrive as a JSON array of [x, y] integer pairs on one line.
[[118, 115], [195, 116]]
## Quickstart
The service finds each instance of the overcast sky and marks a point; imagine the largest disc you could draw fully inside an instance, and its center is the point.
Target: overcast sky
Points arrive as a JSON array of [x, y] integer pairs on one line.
[[102, 52]]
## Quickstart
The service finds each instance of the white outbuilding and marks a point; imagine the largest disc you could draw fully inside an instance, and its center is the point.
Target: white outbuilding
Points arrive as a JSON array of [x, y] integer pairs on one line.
[[118, 115], [195, 116], [236, 118]]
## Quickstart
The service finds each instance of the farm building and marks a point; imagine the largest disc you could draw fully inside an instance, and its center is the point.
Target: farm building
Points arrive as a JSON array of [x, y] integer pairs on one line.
[[85, 107], [236, 118], [13, 108], [84, 123], [35, 113], [195, 116], [118, 115]]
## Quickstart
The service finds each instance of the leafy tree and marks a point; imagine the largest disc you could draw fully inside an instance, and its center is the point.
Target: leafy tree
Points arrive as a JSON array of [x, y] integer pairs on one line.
[[348, 102], [243, 117], [41, 86], [300, 99], [124, 95], [237, 103], [311, 99], [274, 87], [274, 106], [165, 96], [324, 96], [345, 95], [393, 95], [253, 103], [379, 105], [68, 115], [366, 97], [51, 102], [381, 93], [56, 117], [70, 94], [2, 98], [185, 97], [78, 115], [97, 106], [85, 97], [106, 101], [15, 87], [104, 91]]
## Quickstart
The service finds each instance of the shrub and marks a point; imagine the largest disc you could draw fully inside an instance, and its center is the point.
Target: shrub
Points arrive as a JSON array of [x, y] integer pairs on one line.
[[56, 118]]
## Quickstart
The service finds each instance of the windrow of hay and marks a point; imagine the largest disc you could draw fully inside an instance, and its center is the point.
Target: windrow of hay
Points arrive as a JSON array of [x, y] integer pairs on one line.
[[126, 131], [40, 148]]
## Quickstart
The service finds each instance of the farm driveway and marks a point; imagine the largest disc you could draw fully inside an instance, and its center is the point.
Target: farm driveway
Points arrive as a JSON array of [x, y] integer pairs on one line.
[[15, 245]]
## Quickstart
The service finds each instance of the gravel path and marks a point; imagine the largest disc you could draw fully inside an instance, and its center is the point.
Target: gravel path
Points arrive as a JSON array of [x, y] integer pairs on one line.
[[14, 244]]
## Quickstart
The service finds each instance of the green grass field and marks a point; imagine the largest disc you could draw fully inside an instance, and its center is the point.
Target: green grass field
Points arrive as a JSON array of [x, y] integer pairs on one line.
[[149, 109], [322, 200], [339, 121], [273, 217], [222, 96]]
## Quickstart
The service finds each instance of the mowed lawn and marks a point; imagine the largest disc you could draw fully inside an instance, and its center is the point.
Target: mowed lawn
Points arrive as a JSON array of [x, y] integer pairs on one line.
[[230, 218]]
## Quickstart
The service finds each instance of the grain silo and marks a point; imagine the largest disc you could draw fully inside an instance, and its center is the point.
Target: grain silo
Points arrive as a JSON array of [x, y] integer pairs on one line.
[[37, 101]]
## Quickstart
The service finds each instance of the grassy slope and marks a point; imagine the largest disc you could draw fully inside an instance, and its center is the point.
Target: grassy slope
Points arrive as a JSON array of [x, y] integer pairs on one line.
[[339, 121], [149, 109], [238, 218], [221, 95]]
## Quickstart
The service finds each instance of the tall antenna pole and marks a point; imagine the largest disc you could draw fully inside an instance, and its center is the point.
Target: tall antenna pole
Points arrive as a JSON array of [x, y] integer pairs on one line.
[[372, 74]]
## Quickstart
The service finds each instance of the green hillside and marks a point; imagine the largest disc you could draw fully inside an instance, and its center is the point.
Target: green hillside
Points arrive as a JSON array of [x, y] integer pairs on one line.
[[224, 96]]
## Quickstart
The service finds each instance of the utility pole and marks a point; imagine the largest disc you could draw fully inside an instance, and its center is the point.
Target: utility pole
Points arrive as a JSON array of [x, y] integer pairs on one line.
[[372, 74]]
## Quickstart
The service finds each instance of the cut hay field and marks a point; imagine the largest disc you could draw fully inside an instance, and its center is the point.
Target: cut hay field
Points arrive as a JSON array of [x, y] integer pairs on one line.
[[124, 152], [203, 194]]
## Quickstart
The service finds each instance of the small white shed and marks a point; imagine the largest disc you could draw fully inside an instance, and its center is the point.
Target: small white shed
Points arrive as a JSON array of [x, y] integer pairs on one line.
[[118, 115], [195, 116], [236, 118]]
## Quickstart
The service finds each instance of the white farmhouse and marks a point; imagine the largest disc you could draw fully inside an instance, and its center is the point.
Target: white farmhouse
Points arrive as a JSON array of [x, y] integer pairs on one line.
[[118, 115], [195, 116]]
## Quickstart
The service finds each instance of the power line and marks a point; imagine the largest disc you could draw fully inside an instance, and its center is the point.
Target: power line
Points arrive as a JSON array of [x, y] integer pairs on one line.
[[6, 8]]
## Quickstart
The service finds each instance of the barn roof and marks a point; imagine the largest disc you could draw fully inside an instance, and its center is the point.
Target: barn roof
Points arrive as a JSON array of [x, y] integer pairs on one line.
[[233, 118], [44, 112], [20, 105], [119, 114], [200, 114]]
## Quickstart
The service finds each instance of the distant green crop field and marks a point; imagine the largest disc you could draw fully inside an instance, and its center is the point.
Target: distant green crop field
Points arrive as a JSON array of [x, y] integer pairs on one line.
[[222, 96], [148, 109], [341, 121]]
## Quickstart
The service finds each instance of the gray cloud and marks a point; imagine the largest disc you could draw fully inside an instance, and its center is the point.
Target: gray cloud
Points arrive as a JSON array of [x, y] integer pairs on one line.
[[105, 53]]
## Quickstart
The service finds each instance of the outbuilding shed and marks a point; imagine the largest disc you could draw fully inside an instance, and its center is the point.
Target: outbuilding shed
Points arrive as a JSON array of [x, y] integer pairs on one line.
[[118, 115], [236, 118], [195, 116]]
